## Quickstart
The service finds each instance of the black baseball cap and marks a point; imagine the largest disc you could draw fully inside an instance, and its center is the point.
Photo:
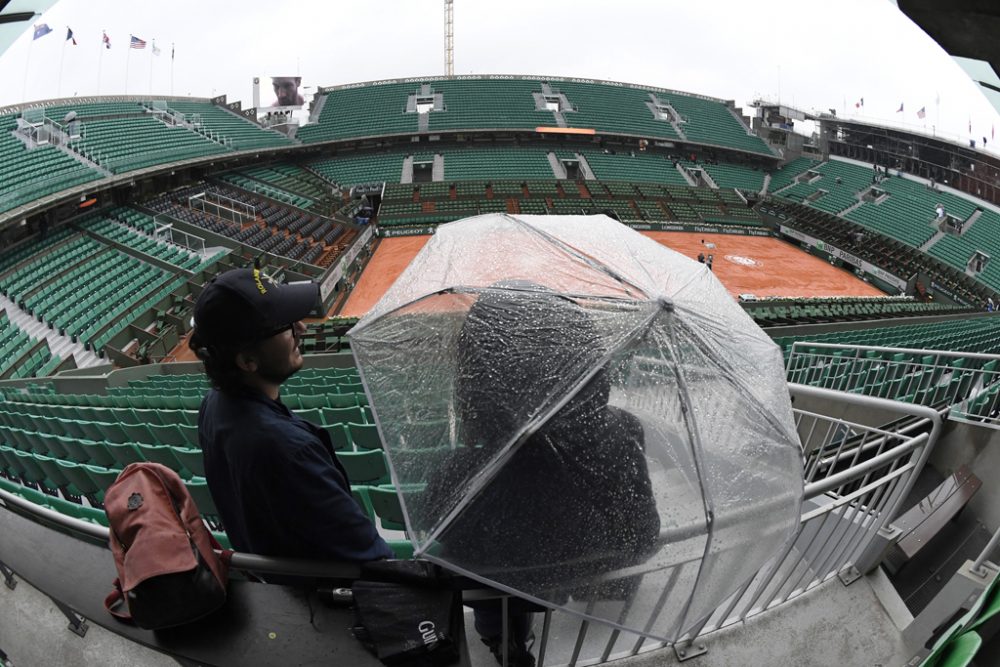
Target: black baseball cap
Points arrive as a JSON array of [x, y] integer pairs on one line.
[[244, 305]]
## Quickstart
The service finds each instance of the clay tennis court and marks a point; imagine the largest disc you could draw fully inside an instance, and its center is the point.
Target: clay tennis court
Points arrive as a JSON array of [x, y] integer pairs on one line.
[[745, 264]]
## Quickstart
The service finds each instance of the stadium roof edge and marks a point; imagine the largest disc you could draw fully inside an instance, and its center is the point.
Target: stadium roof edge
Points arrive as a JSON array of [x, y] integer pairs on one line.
[[519, 77], [88, 99], [911, 131]]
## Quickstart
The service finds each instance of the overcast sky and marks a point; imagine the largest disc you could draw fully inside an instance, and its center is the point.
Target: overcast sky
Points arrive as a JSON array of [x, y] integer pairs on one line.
[[815, 54]]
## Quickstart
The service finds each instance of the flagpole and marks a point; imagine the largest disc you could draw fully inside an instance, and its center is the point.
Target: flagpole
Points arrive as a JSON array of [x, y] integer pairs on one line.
[[171, 69], [151, 69], [128, 57]]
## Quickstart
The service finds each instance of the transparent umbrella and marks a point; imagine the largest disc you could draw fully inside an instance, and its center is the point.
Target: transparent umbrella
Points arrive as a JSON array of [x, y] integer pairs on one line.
[[580, 416]]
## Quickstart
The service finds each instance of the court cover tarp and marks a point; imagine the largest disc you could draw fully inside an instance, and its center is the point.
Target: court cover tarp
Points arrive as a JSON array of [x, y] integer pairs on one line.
[[581, 416]]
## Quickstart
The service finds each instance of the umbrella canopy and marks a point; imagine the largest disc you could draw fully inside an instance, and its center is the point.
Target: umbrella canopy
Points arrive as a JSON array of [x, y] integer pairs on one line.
[[578, 415]]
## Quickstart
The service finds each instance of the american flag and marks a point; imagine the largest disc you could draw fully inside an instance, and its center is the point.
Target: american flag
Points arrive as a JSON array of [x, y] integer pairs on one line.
[[106, 40], [137, 43]]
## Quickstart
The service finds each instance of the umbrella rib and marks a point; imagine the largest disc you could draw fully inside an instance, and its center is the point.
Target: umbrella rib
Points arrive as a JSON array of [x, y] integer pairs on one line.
[[734, 380], [696, 455], [482, 480]]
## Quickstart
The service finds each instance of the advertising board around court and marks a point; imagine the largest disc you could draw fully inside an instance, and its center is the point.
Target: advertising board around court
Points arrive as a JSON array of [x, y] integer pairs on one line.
[[700, 228], [846, 257]]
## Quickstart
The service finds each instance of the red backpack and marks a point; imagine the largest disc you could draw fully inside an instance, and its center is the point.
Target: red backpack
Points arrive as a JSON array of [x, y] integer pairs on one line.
[[168, 571]]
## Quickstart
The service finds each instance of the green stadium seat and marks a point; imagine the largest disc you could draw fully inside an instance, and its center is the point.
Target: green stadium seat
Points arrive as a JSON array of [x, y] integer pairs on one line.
[[163, 454], [365, 468], [101, 477], [80, 482], [191, 459], [364, 436], [385, 503]]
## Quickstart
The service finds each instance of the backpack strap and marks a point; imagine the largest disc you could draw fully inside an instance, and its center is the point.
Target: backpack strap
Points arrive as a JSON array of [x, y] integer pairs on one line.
[[115, 598]]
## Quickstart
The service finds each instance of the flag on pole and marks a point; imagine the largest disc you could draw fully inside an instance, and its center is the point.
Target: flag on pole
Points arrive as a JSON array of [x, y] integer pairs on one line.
[[69, 35], [137, 43], [970, 126], [922, 113], [41, 29], [900, 109], [156, 49], [171, 50], [860, 104], [106, 40]]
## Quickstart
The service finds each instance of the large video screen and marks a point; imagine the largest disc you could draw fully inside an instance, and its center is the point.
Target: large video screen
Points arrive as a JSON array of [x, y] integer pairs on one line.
[[284, 92]]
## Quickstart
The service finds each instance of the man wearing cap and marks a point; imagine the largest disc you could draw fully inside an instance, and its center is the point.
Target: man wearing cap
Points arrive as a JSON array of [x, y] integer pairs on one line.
[[275, 480]]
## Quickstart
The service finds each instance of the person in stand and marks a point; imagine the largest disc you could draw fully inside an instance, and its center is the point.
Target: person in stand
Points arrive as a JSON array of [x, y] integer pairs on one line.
[[701, 257], [278, 487], [708, 261]]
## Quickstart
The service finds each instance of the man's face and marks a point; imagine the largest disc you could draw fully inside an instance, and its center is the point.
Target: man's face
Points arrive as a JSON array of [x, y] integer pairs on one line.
[[278, 357], [286, 89]]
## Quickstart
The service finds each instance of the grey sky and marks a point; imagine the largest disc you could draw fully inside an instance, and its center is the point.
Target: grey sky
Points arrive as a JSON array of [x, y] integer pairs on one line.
[[819, 55]]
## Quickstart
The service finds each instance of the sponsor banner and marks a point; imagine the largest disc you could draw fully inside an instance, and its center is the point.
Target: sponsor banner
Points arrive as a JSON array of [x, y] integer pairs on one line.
[[846, 257], [697, 227], [330, 282], [948, 293], [387, 232]]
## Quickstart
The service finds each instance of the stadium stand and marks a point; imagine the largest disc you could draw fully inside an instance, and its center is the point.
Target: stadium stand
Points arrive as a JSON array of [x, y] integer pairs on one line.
[[494, 162], [711, 122], [240, 133], [609, 109], [254, 185], [507, 103], [29, 173], [72, 446], [788, 312], [894, 256], [347, 170], [282, 230], [291, 177], [117, 232], [363, 112], [787, 173], [907, 213], [134, 142], [836, 190], [640, 167], [735, 176], [964, 335], [493, 104]]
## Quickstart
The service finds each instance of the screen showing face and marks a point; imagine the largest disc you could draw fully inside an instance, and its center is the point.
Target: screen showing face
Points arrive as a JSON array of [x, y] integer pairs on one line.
[[286, 91]]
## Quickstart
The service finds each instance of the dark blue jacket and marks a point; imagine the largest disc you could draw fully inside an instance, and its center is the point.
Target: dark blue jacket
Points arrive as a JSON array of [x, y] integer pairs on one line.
[[277, 484]]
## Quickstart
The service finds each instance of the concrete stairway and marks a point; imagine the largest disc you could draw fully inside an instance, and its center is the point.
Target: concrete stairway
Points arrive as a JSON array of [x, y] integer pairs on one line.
[[61, 346]]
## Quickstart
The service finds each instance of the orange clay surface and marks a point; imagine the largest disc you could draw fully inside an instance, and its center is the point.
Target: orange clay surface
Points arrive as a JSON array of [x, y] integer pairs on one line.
[[745, 264]]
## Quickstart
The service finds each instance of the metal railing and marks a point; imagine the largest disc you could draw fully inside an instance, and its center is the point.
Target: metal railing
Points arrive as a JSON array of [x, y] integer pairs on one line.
[[856, 477], [964, 385], [222, 207]]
